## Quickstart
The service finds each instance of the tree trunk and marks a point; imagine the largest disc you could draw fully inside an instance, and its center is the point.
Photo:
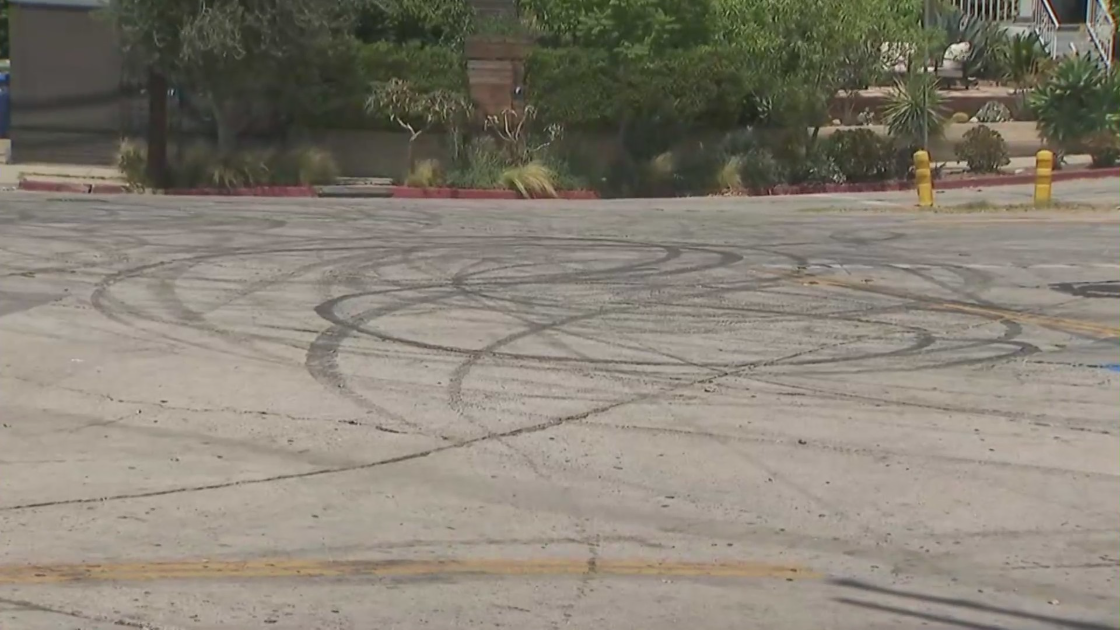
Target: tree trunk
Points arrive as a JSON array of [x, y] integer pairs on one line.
[[157, 129]]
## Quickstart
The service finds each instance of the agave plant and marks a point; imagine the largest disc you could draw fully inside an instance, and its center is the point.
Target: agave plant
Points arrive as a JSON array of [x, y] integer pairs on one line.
[[915, 110], [1073, 104]]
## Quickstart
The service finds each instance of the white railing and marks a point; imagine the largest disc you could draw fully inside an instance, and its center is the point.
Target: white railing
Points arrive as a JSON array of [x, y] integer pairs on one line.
[[990, 10], [1098, 21], [1046, 25]]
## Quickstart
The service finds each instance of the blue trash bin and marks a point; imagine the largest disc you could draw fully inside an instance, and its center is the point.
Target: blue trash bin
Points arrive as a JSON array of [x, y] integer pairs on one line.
[[5, 106]]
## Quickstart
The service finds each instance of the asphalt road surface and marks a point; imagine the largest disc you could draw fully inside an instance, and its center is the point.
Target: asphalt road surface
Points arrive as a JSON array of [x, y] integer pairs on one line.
[[720, 413]]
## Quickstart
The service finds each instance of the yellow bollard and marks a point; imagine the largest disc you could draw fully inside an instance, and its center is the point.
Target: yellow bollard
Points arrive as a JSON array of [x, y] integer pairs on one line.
[[1043, 178], [923, 176]]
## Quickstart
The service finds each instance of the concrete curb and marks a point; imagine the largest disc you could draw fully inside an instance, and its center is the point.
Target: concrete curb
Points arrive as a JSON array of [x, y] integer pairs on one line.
[[408, 192], [985, 181], [60, 187], [33, 185], [405, 192]]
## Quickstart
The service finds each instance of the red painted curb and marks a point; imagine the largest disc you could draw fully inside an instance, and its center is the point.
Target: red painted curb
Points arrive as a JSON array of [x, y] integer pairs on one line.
[[61, 187], [1025, 178], [256, 191], [985, 181], [816, 189], [408, 192]]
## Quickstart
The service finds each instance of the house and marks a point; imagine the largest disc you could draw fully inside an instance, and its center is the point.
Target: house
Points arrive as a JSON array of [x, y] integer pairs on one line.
[[66, 83]]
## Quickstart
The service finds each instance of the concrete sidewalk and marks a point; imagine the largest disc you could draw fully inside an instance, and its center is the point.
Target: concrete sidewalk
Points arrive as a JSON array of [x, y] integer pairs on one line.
[[11, 174]]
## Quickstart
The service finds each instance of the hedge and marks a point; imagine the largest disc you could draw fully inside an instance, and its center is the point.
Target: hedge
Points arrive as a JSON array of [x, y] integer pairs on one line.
[[707, 86], [425, 67]]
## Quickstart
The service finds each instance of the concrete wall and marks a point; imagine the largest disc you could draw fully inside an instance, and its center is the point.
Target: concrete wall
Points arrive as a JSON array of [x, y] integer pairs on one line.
[[384, 153], [66, 82], [1021, 137]]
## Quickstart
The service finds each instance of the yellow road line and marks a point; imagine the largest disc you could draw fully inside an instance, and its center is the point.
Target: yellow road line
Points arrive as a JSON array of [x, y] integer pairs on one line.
[[311, 568]]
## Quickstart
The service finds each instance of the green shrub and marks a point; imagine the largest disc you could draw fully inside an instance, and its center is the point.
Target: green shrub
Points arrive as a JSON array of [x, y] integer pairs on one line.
[[861, 154], [200, 165], [1026, 60], [960, 117], [445, 22], [132, 162], [983, 149], [534, 180], [236, 170], [188, 169], [761, 170], [481, 166], [583, 88], [820, 168], [425, 174], [303, 166], [993, 112], [740, 141], [898, 161], [660, 173], [1104, 148], [426, 68], [915, 109], [571, 85], [698, 170], [730, 175]]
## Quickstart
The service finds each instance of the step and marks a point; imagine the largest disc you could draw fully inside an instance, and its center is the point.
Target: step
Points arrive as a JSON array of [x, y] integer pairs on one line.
[[355, 192]]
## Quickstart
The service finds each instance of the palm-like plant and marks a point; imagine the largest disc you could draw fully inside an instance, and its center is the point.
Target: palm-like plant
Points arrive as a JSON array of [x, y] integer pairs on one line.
[[915, 111], [1074, 103]]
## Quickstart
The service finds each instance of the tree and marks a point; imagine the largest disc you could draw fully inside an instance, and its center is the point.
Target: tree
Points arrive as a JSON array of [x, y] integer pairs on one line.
[[415, 111], [630, 28], [812, 48], [238, 56]]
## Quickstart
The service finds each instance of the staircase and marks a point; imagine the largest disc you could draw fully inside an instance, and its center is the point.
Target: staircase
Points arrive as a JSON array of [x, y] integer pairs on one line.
[[1093, 36]]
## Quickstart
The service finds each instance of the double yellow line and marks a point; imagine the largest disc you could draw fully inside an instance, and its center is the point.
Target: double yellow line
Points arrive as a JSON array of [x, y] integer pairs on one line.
[[317, 568]]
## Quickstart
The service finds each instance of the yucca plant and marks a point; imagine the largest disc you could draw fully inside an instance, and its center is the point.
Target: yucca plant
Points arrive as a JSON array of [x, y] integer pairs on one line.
[[915, 109]]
